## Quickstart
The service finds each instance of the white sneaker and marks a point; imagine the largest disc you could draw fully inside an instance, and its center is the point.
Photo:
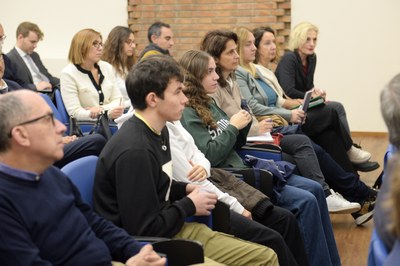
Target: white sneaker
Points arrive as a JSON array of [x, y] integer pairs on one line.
[[357, 155], [337, 204]]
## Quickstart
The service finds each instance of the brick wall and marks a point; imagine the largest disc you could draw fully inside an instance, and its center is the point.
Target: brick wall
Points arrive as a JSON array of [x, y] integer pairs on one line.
[[191, 19]]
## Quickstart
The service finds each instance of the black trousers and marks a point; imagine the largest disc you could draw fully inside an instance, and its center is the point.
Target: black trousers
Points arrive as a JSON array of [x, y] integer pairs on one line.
[[277, 229], [324, 127], [84, 146]]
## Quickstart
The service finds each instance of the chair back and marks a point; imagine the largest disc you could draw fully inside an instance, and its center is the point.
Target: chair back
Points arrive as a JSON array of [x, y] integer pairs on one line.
[[61, 107], [81, 172], [56, 113]]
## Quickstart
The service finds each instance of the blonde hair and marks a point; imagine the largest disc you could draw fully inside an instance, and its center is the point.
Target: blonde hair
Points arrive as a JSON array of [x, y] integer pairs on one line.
[[243, 34], [298, 35], [25, 27], [81, 44]]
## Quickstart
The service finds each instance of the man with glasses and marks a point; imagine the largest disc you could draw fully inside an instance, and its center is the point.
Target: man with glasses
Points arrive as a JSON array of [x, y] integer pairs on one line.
[[42, 216], [29, 66]]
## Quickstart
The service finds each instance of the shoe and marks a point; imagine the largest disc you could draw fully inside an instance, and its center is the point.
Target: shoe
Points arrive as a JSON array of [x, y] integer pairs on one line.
[[366, 167], [365, 214], [373, 194], [358, 156], [337, 204]]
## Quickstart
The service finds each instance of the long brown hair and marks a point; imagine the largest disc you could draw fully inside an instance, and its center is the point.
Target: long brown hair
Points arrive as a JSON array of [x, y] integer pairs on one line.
[[113, 51], [195, 65]]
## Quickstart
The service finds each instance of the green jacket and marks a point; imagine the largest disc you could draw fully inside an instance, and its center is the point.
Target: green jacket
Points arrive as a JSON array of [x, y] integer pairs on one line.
[[218, 145]]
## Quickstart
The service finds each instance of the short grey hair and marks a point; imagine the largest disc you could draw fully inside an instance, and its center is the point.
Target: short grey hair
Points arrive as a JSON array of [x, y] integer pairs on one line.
[[390, 109], [13, 111]]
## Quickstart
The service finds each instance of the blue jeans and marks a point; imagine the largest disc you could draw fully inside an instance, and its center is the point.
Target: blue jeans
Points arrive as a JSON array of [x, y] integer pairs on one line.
[[306, 200]]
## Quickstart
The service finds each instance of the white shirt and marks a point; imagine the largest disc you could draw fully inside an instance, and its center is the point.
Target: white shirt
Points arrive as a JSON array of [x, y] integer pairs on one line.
[[36, 78], [184, 149]]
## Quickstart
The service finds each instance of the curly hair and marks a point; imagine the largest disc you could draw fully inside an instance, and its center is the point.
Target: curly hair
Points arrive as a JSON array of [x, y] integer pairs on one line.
[[195, 66], [113, 51]]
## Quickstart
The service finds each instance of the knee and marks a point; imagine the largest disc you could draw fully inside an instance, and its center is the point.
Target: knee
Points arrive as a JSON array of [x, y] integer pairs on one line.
[[97, 142]]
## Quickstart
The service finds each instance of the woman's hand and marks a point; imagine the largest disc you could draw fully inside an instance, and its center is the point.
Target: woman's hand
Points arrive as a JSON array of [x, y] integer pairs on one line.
[[116, 112], [247, 214], [265, 126], [318, 92], [94, 111], [297, 116], [197, 173], [240, 119]]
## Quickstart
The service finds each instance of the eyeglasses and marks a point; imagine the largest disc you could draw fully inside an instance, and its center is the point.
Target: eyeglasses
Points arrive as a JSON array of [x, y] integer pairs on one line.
[[2, 38], [130, 42], [46, 116], [97, 44]]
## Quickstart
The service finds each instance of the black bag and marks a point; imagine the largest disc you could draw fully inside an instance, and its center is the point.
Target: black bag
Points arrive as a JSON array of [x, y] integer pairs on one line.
[[74, 128], [102, 126]]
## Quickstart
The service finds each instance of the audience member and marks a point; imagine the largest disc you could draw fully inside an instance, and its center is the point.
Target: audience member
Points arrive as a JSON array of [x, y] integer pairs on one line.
[[391, 210], [44, 220], [262, 100], [161, 40], [88, 86], [191, 166], [390, 109], [119, 51], [133, 186], [217, 137], [295, 73], [28, 66]]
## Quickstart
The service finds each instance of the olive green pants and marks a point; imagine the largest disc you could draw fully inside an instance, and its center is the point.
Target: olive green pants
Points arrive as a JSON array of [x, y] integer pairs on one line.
[[227, 249]]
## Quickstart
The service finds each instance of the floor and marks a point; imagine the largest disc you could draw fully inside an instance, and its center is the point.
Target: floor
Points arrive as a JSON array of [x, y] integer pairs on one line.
[[353, 241]]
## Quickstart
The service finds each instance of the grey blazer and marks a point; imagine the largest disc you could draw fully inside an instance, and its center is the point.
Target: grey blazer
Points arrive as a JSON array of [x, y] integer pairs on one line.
[[256, 97], [22, 70]]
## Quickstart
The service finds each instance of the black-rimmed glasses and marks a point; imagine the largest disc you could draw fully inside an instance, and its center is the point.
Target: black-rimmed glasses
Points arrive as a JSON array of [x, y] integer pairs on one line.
[[46, 116]]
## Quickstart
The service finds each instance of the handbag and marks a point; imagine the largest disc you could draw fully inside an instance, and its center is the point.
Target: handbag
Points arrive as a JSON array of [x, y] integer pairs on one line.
[[277, 120], [102, 126], [74, 128]]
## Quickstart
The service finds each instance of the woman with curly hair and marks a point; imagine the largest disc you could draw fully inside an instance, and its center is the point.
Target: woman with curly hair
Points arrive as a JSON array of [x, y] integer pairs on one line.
[[120, 51], [217, 137]]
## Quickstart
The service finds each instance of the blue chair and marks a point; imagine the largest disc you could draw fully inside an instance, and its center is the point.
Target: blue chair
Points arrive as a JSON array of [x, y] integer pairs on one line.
[[61, 107], [178, 251], [56, 113], [82, 172], [86, 126]]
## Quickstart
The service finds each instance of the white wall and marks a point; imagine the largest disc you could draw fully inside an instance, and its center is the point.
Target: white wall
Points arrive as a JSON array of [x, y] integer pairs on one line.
[[357, 49], [358, 53], [59, 21]]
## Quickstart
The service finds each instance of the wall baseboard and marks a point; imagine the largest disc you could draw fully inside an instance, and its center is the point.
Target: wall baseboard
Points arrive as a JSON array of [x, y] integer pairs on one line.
[[369, 134]]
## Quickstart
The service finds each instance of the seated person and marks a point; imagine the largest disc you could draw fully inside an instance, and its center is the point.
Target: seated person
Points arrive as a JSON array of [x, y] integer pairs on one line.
[[75, 148], [29, 68], [217, 137], [391, 209], [133, 185], [390, 97], [161, 40], [43, 218], [119, 51], [88, 85]]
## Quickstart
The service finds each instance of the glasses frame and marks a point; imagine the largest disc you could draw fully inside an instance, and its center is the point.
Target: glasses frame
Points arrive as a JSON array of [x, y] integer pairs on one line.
[[97, 45], [51, 115]]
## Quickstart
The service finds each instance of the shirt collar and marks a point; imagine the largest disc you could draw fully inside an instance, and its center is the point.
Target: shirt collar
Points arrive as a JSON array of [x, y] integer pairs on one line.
[[20, 52], [18, 173]]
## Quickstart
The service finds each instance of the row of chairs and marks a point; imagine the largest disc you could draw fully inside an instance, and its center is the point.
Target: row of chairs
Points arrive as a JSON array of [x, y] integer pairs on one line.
[[179, 252]]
